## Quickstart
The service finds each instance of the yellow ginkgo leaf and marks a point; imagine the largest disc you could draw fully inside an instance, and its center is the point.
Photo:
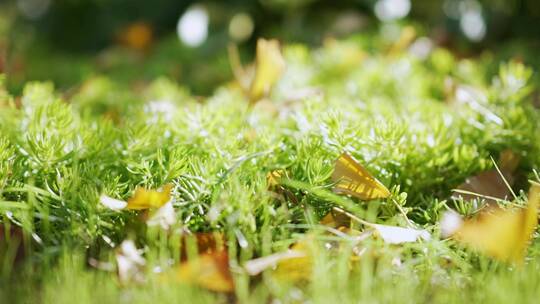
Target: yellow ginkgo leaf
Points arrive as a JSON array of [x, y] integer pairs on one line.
[[273, 178], [336, 220], [210, 271], [501, 234], [297, 265], [144, 199], [258, 265], [274, 182], [351, 178], [269, 66], [292, 265]]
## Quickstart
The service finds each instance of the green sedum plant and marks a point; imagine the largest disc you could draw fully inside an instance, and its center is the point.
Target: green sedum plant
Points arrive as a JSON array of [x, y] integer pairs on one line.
[[397, 115]]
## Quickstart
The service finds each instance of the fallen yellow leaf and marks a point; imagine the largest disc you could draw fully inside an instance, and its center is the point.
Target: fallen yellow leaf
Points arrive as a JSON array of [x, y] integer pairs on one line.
[[351, 178], [210, 271], [295, 266], [336, 220], [273, 177], [269, 66], [274, 182], [292, 265], [144, 199], [501, 234], [257, 81]]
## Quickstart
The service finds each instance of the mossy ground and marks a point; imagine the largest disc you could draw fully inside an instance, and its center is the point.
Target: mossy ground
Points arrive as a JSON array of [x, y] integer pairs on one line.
[[420, 125]]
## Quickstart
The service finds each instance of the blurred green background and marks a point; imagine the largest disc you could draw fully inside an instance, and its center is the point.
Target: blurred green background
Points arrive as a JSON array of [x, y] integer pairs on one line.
[[134, 41]]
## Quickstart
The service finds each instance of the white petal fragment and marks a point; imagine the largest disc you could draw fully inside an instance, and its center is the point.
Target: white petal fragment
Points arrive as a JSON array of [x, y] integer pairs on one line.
[[164, 217], [112, 203], [130, 261], [450, 223], [399, 235]]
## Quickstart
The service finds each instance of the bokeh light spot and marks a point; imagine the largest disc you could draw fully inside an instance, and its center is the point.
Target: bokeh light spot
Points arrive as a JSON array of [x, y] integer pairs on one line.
[[388, 10], [33, 9], [241, 27], [192, 27], [472, 24]]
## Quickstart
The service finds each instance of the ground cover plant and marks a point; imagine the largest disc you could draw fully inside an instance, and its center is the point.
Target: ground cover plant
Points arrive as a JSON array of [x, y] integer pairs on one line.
[[84, 175]]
